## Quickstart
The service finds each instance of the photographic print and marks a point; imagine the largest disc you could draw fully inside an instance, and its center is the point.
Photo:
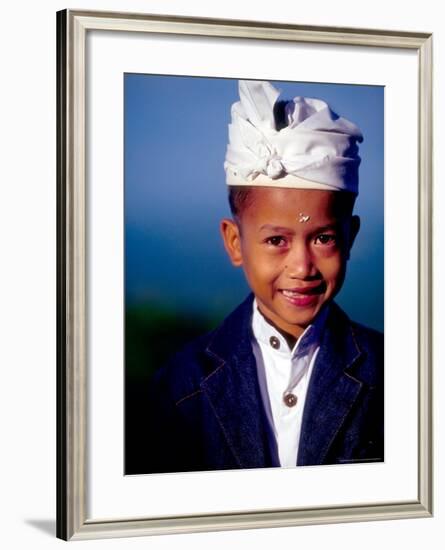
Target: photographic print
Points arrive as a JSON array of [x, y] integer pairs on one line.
[[234, 359]]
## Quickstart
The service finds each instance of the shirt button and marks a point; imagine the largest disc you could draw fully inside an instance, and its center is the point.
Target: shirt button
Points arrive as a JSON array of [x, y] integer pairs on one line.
[[290, 400], [274, 342]]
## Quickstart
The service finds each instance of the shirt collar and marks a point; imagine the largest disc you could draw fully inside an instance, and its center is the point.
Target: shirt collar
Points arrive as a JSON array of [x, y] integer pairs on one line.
[[306, 344]]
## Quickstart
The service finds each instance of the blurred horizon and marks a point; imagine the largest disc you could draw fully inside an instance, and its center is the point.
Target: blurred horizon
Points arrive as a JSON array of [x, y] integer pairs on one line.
[[175, 195]]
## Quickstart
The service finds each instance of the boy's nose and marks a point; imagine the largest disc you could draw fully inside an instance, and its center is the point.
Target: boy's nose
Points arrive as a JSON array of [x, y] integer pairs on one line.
[[299, 263]]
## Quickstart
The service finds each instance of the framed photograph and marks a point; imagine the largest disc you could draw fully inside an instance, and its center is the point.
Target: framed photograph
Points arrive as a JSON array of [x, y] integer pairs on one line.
[[235, 199]]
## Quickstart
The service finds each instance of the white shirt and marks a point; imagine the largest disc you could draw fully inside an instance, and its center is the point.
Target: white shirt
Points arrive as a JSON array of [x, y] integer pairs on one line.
[[284, 375]]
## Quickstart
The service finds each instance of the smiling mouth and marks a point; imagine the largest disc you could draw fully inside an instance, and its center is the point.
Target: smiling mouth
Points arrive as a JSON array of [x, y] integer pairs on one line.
[[302, 297], [304, 291]]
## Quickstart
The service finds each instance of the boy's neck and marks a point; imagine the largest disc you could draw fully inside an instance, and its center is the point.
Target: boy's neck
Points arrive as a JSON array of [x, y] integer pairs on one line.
[[291, 339]]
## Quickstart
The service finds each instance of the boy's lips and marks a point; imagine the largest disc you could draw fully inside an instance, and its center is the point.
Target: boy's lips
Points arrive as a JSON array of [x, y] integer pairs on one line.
[[314, 289], [302, 296]]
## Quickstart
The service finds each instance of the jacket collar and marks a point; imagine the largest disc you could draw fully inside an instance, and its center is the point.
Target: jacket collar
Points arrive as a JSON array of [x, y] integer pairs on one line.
[[305, 345], [333, 389], [233, 390]]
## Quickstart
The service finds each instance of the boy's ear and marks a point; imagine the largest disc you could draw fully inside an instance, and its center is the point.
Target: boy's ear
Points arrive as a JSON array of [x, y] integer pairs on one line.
[[232, 242], [354, 229]]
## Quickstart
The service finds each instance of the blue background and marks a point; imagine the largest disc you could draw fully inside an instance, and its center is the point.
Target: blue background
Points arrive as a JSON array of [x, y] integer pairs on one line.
[[175, 195]]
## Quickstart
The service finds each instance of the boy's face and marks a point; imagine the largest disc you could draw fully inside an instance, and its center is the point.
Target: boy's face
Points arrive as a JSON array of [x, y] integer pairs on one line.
[[293, 245]]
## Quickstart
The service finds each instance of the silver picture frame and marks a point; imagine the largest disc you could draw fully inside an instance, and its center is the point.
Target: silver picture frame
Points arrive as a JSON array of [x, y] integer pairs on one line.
[[72, 414]]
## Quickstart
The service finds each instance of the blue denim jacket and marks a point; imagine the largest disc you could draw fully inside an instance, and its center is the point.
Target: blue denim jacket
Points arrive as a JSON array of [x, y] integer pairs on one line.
[[205, 410]]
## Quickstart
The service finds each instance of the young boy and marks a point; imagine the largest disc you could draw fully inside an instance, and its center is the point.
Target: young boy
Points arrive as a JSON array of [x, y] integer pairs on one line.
[[287, 379]]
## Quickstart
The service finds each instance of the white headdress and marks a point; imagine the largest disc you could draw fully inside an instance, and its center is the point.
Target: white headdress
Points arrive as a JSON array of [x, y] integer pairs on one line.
[[315, 148]]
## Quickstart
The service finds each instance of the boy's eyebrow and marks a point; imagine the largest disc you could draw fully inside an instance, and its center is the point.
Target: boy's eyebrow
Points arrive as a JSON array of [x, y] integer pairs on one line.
[[327, 227], [276, 228]]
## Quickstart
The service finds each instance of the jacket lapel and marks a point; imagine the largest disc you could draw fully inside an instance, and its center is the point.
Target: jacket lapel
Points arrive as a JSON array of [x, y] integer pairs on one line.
[[233, 391], [332, 390]]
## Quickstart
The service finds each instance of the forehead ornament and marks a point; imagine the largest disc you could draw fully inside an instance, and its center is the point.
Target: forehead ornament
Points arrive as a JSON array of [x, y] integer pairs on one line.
[[303, 218]]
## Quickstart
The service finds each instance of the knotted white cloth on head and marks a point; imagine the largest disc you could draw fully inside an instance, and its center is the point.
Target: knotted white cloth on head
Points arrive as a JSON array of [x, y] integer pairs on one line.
[[311, 148]]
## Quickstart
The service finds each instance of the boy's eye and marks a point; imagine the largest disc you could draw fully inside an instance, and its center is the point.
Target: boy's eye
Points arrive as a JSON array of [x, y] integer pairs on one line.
[[277, 240], [325, 239]]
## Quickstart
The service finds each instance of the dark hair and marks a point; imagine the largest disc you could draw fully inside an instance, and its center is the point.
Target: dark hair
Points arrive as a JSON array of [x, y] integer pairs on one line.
[[239, 199], [279, 113], [346, 206], [241, 196]]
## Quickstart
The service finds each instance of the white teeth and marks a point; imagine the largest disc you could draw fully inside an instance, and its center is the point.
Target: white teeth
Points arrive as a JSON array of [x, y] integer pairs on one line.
[[290, 293]]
